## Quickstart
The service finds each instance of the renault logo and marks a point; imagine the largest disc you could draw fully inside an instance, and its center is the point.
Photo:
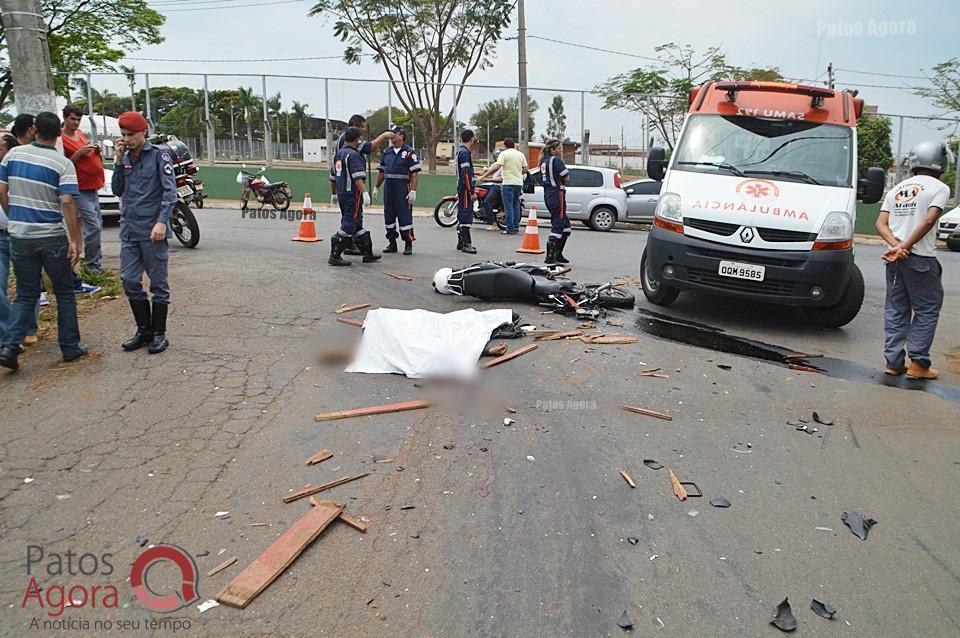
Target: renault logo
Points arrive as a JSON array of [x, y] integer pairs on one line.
[[746, 235]]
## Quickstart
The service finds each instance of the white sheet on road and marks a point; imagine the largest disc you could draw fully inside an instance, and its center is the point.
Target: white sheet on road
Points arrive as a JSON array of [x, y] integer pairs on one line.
[[420, 343]]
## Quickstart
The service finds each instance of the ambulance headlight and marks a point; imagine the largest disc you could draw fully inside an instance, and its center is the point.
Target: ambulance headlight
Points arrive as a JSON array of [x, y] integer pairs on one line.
[[836, 232], [668, 208]]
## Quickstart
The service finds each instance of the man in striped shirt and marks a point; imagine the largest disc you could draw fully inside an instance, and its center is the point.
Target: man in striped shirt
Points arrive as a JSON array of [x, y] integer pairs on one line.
[[37, 187]]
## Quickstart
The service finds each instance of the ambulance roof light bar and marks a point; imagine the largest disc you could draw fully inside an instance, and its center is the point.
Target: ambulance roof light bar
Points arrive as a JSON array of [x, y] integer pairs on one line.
[[816, 93]]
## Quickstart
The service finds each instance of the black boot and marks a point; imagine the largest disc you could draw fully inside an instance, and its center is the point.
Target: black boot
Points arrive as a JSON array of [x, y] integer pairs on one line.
[[563, 242], [464, 244], [159, 321], [8, 357], [552, 249], [391, 247], [337, 245], [408, 248], [141, 313], [365, 244], [349, 248]]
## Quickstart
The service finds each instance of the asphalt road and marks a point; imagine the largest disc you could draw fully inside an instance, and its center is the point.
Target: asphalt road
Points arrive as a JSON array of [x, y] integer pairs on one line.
[[124, 445]]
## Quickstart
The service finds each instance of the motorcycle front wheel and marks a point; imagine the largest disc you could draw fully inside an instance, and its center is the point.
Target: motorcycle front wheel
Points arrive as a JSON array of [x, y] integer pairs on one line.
[[613, 297], [184, 225], [445, 213], [281, 201]]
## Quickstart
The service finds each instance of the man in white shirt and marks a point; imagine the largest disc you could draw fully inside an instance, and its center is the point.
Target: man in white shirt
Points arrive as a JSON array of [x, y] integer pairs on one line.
[[907, 222]]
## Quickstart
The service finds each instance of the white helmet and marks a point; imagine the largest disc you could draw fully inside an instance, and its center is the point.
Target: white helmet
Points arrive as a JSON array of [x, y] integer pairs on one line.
[[441, 281], [930, 155]]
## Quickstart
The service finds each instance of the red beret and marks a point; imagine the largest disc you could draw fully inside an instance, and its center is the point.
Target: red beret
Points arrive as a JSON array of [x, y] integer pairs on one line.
[[132, 121]]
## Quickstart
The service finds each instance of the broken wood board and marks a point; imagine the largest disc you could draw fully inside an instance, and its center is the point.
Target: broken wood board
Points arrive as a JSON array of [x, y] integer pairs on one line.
[[678, 489], [344, 517], [319, 457], [376, 409], [626, 477], [249, 583], [344, 309], [510, 355], [222, 566], [613, 339], [400, 277], [789, 358], [554, 336], [307, 491], [653, 413], [350, 322]]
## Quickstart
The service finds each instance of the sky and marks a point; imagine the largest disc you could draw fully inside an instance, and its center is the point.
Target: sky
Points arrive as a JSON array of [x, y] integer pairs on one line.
[[873, 46]]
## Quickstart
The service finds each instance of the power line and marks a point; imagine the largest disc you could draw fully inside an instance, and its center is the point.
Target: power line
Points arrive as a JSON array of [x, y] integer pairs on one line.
[[886, 75], [322, 57], [584, 46], [231, 6]]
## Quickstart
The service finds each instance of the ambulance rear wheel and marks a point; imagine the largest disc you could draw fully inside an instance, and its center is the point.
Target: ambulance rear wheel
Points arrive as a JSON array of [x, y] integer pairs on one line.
[[184, 225], [843, 311], [655, 290]]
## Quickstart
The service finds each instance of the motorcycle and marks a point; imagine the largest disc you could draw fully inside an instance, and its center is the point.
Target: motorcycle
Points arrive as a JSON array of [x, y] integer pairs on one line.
[[277, 195], [445, 213], [532, 283], [183, 222]]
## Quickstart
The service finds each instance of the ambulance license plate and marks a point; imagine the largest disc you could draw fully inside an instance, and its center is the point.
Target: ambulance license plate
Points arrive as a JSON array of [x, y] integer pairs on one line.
[[741, 271], [184, 191]]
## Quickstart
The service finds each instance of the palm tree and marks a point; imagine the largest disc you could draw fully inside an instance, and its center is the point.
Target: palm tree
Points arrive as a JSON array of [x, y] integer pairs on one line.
[[273, 110], [249, 102], [300, 111], [194, 115], [132, 81]]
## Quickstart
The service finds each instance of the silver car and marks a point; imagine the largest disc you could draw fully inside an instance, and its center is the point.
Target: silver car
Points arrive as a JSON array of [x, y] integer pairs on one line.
[[109, 203], [594, 196], [642, 198]]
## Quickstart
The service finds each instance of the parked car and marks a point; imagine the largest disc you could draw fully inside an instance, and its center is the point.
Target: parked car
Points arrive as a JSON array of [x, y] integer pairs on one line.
[[594, 196], [109, 203], [642, 198], [948, 224]]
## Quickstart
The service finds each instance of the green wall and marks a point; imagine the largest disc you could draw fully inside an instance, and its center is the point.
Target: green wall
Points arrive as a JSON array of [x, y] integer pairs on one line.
[[867, 218]]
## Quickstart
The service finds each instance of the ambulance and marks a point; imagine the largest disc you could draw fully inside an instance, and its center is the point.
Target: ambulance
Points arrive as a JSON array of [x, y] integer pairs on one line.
[[759, 200]]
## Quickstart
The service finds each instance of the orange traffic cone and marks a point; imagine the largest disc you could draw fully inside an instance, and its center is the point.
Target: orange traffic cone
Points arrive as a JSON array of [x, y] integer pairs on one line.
[[531, 236], [308, 225]]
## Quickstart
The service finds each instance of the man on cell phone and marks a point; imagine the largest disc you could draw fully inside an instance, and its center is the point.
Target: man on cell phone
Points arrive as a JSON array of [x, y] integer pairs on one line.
[[86, 159]]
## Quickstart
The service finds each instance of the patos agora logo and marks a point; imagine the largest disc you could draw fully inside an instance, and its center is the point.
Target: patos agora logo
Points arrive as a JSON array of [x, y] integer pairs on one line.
[[758, 190]]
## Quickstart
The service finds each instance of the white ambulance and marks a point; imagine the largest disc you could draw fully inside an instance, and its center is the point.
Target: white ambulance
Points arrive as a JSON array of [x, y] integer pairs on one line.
[[759, 200]]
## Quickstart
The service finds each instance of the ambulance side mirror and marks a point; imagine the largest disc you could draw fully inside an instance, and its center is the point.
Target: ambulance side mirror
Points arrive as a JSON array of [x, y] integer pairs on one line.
[[657, 163], [870, 187]]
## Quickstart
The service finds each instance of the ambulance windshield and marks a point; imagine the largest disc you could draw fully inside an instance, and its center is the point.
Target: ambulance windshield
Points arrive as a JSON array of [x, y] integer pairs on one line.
[[791, 150]]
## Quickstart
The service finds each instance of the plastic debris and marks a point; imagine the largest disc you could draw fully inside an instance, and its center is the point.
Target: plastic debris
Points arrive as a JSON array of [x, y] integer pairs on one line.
[[448, 446], [407, 506], [530, 458], [633, 540], [822, 420], [28, 480], [824, 610], [724, 366], [202, 553], [507, 422], [720, 502], [141, 541], [859, 525], [210, 604], [624, 621], [692, 513], [784, 619], [652, 464], [222, 515]]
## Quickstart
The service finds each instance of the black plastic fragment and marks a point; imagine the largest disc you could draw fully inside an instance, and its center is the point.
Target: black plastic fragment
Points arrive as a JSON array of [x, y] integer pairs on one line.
[[633, 540], [142, 540], [448, 446], [624, 621], [387, 582], [784, 620], [652, 464], [720, 502], [859, 525], [202, 552], [824, 610], [407, 506], [822, 420], [724, 366]]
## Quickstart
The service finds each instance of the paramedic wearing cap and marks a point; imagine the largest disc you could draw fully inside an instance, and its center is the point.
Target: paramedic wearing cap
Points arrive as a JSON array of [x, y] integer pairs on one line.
[[350, 171], [143, 179], [907, 222], [400, 169]]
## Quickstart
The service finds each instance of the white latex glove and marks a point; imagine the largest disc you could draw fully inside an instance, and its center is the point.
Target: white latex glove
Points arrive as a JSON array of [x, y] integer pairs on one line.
[[373, 195], [411, 197], [366, 198]]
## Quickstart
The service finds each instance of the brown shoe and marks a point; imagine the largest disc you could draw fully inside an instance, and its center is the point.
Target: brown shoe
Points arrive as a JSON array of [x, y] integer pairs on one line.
[[894, 372], [30, 340], [917, 371]]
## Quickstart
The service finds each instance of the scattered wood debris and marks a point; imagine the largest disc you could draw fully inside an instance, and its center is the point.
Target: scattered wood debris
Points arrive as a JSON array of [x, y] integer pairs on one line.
[[654, 372], [400, 277], [678, 489], [259, 524], [376, 409], [247, 585], [555, 335], [222, 566], [802, 368], [626, 477], [319, 457], [307, 491], [510, 355], [613, 339], [653, 413], [350, 322], [587, 325], [344, 517], [343, 309], [615, 322], [789, 358]]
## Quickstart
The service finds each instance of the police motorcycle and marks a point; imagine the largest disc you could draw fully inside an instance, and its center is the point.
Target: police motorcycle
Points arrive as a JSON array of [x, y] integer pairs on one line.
[[183, 222], [532, 283]]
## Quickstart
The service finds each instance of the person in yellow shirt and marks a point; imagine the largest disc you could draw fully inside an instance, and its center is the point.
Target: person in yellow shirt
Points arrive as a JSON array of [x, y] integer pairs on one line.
[[513, 166]]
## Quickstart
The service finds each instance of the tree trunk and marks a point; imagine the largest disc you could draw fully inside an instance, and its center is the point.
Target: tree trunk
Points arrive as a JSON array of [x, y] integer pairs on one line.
[[249, 139], [300, 131]]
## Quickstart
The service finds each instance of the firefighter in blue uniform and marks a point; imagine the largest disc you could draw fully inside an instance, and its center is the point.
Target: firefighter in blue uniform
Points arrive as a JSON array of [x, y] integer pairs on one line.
[[364, 148], [465, 193], [350, 171], [400, 170], [554, 177], [143, 179]]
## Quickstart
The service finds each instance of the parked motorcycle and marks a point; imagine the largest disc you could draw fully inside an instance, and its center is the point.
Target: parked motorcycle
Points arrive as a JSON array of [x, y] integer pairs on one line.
[[445, 213], [183, 222], [277, 195]]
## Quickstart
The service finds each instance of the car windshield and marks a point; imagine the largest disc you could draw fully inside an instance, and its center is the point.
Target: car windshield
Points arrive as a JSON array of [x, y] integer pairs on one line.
[[793, 150]]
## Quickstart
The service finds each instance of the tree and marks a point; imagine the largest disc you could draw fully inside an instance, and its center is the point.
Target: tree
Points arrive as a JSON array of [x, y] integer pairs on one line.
[[873, 143], [557, 120], [85, 35], [660, 91], [500, 117], [131, 74], [187, 118], [273, 110], [299, 112], [423, 45], [945, 93], [250, 103]]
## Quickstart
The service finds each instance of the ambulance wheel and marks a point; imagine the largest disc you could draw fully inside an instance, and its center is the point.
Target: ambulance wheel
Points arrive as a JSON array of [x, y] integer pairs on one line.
[[655, 290], [280, 201], [843, 311], [184, 225], [445, 213]]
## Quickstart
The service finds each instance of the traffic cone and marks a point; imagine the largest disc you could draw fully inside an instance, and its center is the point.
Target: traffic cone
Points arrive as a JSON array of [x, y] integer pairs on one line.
[[308, 225], [531, 236]]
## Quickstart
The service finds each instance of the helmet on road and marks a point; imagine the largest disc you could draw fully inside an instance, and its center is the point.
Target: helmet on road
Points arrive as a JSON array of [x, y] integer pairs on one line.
[[440, 281], [929, 155]]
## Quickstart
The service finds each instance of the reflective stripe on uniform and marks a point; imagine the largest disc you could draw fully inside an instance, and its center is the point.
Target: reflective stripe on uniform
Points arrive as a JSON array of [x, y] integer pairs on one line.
[[416, 167], [396, 176], [464, 164], [393, 225], [405, 227], [359, 174]]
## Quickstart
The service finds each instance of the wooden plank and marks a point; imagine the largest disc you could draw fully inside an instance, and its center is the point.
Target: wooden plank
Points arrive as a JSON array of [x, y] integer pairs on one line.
[[626, 477], [343, 309], [659, 415], [510, 355], [400, 277], [554, 336], [249, 583], [344, 517], [350, 322], [376, 409], [222, 566], [319, 457], [307, 491], [678, 489], [614, 339]]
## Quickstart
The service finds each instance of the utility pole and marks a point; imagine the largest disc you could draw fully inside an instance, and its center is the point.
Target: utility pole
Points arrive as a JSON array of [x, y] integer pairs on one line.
[[830, 75], [29, 54], [233, 133], [522, 60]]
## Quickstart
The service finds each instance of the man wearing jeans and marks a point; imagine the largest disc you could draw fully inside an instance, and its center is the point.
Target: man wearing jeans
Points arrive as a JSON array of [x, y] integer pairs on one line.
[[86, 159], [513, 166], [37, 187]]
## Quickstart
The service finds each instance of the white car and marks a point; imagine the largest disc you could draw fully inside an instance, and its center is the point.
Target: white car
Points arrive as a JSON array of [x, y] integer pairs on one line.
[[949, 222], [109, 203], [595, 196]]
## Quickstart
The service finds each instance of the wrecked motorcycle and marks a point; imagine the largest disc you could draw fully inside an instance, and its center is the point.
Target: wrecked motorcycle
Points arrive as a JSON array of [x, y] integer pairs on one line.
[[531, 283]]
